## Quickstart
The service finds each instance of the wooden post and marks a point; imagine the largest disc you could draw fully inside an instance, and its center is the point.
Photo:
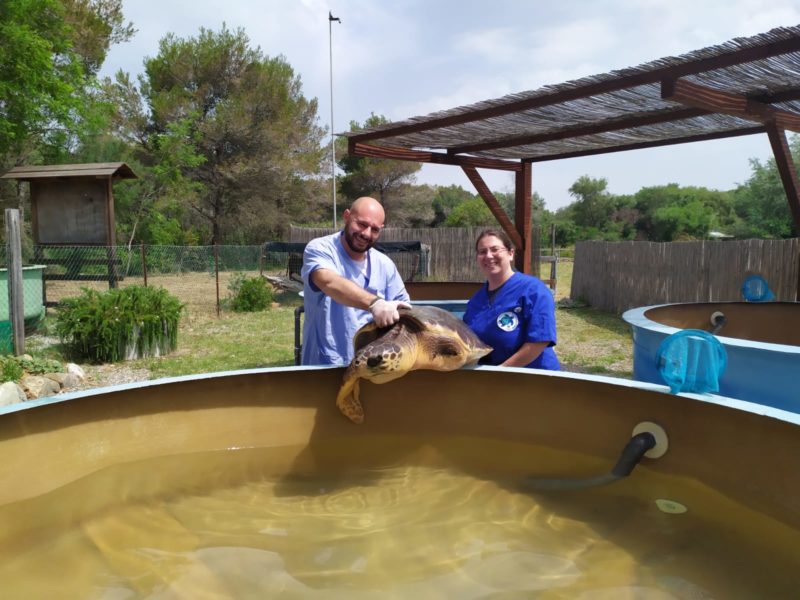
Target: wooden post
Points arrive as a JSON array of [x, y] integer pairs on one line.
[[216, 272], [522, 218], [144, 263], [16, 303]]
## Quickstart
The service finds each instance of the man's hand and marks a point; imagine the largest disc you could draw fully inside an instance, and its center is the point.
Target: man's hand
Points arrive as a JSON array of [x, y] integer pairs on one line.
[[385, 311]]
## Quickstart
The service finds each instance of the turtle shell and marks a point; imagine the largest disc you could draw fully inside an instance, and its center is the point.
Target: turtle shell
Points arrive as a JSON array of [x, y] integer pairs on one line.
[[419, 319]]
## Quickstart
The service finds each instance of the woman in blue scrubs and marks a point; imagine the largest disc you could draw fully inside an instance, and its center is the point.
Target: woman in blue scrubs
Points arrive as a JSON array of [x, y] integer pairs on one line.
[[512, 312]]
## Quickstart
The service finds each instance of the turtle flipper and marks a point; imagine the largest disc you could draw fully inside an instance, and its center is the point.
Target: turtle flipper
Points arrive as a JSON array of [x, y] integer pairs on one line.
[[347, 398]]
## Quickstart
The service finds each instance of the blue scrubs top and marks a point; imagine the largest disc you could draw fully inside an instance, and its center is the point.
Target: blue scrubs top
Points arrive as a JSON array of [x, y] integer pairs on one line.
[[329, 327], [519, 311]]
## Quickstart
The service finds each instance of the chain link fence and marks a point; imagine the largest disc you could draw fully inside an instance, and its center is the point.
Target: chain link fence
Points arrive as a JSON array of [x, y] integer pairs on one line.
[[197, 275]]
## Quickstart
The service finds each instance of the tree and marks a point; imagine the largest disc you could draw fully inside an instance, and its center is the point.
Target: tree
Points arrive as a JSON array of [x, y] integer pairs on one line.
[[376, 177], [593, 205], [471, 213], [761, 202], [235, 139], [445, 200], [49, 53], [95, 26], [670, 212], [41, 76]]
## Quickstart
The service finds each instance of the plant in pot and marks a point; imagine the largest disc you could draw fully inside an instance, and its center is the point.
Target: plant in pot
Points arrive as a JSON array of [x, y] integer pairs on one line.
[[119, 324]]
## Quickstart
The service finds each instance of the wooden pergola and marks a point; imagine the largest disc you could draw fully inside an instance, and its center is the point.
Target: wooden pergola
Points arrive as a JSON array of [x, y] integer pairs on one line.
[[743, 87]]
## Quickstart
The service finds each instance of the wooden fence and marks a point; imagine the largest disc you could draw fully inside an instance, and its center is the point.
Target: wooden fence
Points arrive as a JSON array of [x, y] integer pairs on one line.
[[616, 276], [452, 255]]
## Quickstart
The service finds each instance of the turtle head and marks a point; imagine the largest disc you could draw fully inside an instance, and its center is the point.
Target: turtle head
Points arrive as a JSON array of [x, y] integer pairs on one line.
[[379, 361], [384, 360]]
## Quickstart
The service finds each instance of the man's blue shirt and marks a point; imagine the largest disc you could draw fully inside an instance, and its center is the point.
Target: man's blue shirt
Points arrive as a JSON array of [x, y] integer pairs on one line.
[[328, 326]]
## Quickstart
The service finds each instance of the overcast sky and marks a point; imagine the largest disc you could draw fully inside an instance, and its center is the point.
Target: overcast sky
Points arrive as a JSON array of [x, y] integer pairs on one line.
[[404, 58]]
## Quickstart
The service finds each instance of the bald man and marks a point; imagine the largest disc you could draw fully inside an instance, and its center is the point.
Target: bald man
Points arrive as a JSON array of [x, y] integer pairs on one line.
[[347, 283]]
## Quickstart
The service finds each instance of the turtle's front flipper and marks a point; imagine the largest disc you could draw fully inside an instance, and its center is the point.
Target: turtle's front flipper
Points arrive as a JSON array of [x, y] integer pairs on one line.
[[347, 398]]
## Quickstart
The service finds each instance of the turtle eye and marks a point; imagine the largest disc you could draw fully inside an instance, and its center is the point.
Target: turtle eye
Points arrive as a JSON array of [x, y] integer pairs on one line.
[[374, 361], [447, 349]]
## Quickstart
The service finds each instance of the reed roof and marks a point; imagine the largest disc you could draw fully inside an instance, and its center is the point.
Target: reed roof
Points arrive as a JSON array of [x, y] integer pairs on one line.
[[731, 89]]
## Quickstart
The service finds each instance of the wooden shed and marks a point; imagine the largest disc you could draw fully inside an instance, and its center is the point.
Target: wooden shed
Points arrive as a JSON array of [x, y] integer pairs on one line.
[[72, 204]]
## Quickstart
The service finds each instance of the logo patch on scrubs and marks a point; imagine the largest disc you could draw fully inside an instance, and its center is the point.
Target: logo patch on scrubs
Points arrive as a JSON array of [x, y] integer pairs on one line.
[[508, 321]]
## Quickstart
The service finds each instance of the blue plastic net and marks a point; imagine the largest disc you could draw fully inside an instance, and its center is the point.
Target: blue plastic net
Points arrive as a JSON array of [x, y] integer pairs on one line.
[[691, 360], [756, 289]]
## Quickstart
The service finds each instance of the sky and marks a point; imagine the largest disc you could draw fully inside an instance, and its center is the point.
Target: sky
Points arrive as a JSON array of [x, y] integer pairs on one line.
[[406, 58]]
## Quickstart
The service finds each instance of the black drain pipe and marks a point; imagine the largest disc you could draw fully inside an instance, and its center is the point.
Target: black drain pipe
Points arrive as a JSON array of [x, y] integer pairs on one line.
[[718, 321], [633, 452]]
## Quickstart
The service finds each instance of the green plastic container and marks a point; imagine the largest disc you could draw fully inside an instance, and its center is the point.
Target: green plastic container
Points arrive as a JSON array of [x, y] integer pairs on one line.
[[6, 337], [32, 282]]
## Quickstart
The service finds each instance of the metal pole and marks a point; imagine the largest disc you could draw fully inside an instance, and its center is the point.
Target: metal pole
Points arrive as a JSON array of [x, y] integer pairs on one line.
[[331, 19]]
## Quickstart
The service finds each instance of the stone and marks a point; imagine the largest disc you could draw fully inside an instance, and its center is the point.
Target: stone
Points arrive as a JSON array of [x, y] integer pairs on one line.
[[39, 387], [59, 378], [76, 370], [71, 381], [11, 393]]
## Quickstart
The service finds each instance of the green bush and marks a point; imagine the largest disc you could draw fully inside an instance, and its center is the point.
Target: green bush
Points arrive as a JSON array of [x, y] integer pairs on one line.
[[249, 294], [119, 324], [12, 368]]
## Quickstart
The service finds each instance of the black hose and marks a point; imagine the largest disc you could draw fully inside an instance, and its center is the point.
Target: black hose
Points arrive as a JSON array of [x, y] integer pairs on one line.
[[633, 452], [718, 320]]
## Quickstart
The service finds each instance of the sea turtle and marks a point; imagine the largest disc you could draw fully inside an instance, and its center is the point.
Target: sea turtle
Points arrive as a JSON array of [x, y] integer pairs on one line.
[[425, 337]]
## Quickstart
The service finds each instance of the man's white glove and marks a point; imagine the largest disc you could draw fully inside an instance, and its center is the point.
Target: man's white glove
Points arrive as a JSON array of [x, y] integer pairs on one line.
[[385, 311]]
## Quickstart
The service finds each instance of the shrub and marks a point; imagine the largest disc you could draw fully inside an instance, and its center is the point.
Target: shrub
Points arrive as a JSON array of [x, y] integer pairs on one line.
[[12, 368], [120, 323], [249, 294]]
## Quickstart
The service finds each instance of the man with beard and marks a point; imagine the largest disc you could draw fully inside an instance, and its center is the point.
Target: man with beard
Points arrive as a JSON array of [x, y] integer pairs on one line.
[[346, 282]]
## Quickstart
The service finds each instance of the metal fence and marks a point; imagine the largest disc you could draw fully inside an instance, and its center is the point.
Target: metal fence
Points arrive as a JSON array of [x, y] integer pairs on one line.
[[197, 275]]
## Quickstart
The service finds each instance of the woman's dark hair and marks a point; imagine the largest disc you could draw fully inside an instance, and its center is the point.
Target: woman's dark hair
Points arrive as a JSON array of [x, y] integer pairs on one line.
[[500, 235]]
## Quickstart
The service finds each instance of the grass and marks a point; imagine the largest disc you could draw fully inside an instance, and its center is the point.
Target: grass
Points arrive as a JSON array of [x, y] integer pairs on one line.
[[589, 340]]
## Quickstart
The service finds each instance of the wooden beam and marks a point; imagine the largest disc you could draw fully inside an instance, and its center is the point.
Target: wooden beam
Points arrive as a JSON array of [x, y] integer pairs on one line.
[[493, 204], [718, 101], [703, 137], [393, 153], [581, 130], [736, 57], [786, 169], [522, 219]]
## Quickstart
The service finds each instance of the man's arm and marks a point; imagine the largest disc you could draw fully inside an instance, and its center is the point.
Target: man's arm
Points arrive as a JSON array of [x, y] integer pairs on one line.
[[344, 291], [341, 289]]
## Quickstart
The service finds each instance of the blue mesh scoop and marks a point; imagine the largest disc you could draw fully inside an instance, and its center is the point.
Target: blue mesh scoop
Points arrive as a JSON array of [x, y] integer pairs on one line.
[[691, 360], [756, 289]]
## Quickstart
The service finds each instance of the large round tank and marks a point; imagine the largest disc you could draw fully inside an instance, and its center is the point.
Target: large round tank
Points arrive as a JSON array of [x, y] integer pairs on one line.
[[252, 484], [761, 340]]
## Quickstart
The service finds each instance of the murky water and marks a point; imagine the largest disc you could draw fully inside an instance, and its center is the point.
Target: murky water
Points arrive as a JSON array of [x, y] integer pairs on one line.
[[387, 518]]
